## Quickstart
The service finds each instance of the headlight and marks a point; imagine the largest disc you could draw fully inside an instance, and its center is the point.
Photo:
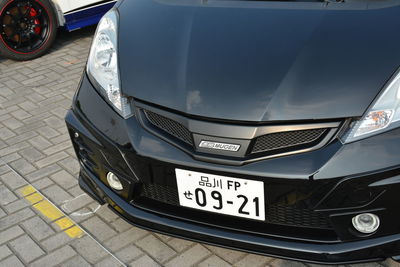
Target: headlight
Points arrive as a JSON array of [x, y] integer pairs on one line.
[[102, 66], [383, 115]]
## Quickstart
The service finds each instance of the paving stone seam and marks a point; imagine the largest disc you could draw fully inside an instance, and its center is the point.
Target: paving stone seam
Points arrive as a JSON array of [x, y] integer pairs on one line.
[[66, 215]]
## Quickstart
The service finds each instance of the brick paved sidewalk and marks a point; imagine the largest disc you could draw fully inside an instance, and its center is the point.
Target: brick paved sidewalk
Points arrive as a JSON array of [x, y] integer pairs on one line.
[[45, 218]]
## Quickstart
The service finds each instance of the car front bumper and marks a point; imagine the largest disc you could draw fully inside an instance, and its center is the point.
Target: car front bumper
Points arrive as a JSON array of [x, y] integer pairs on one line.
[[335, 182]]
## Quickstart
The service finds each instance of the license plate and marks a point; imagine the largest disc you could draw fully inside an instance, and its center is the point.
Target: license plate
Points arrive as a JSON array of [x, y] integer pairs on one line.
[[221, 194]]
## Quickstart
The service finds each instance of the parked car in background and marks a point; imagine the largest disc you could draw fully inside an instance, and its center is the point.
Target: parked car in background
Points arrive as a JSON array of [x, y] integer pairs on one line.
[[28, 27]]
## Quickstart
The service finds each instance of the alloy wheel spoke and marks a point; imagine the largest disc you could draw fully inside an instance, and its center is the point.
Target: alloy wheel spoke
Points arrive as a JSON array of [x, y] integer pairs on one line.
[[27, 12], [12, 35], [28, 6], [20, 13], [19, 41], [30, 41], [14, 18]]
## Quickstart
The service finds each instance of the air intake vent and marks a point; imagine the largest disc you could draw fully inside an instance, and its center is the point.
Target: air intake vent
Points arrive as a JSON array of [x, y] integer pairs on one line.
[[287, 140], [289, 215], [170, 126]]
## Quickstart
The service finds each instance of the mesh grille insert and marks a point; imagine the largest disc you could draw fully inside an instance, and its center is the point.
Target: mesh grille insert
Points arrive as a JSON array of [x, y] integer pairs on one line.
[[289, 215], [275, 213], [282, 140], [170, 126]]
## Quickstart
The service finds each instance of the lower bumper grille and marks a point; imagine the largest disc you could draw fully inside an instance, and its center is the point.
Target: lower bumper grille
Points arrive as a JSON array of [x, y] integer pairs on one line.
[[275, 213]]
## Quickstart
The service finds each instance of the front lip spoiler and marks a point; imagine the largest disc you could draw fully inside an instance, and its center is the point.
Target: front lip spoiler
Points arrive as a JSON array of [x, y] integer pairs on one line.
[[340, 253]]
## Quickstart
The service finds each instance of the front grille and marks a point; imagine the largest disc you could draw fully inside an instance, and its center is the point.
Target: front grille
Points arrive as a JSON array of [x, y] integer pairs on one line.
[[170, 126], [275, 213], [273, 143], [287, 140]]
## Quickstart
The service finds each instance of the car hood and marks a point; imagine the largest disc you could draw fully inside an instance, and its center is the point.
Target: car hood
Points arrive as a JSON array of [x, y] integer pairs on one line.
[[257, 61]]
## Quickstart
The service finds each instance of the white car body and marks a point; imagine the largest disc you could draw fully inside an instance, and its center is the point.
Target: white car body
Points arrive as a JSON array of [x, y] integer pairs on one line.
[[75, 14], [69, 5]]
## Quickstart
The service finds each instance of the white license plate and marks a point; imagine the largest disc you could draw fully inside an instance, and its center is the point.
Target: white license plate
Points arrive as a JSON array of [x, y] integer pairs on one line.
[[221, 194]]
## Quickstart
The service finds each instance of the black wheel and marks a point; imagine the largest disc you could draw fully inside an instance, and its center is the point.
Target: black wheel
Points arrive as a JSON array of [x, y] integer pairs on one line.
[[27, 28]]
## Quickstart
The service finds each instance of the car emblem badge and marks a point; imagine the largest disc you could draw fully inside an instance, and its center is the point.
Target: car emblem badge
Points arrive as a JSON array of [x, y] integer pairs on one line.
[[219, 146]]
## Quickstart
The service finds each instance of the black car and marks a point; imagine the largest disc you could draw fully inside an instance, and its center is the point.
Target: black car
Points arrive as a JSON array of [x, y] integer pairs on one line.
[[264, 126]]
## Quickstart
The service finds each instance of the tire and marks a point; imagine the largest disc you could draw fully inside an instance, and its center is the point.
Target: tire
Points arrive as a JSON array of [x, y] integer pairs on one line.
[[28, 28]]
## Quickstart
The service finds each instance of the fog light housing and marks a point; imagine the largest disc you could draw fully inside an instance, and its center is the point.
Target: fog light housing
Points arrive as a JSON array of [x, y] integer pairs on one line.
[[114, 182], [366, 223]]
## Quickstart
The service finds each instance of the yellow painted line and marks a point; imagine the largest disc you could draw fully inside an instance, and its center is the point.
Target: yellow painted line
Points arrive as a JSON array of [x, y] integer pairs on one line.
[[46, 208], [64, 223], [74, 232], [34, 198], [27, 190]]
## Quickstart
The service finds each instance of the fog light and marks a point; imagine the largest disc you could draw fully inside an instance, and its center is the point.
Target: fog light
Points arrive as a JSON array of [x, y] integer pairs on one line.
[[113, 181], [366, 223]]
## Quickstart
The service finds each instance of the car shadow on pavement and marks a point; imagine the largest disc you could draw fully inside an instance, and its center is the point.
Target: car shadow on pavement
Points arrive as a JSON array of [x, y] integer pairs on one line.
[[65, 38]]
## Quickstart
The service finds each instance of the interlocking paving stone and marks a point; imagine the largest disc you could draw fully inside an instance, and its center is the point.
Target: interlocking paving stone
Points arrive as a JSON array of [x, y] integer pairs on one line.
[[4, 252], [6, 133], [42, 172], [56, 194], [55, 258], [11, 261], [12, 180], [11, 157], [56, 241], [144, 261], [214, 260], [179, 244], [14, 218], [190, 257], [76, 261], [99, 229], [31, 154], [6, 196], [26, 248], [107, 215], [40, 143], [121, 225], [10, 234], [16, 205], [156, 248], [38, 228], [23, 166], [109, 261], [228, 255], [253, 260], [64, 179], [42, 183], [125, 238], [129, 253], [51, 159], [93, 253]]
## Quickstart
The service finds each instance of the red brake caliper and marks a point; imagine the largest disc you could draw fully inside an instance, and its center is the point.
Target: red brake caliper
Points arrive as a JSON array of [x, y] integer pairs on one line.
[[34, 13]]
